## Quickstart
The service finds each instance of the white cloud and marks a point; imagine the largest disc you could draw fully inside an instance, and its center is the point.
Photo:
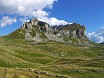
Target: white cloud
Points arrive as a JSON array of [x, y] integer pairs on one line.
[[9, 6], [97, 36], [23, 20], [30, 8], [21, 9], [7, 21], [24, 7], [70, 23], [53, 21], [39, 14]]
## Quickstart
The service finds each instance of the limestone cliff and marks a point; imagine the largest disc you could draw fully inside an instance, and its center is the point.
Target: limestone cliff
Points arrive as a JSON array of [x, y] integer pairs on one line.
[[73, 31], [39, 31]]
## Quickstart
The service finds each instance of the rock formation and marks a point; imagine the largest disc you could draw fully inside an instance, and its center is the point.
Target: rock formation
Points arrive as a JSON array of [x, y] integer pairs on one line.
[[40, 31]]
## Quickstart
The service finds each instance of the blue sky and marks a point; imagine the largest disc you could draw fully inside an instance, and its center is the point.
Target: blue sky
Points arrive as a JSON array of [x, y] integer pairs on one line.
[[86, 12]]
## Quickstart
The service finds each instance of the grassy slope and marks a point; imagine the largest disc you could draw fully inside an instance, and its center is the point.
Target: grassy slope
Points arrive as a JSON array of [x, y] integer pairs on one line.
[[53, 57], [18, 34]]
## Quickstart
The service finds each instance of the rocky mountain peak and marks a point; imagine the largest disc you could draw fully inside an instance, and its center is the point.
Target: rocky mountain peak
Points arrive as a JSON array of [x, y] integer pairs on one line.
[[40, 31], [34, 22]]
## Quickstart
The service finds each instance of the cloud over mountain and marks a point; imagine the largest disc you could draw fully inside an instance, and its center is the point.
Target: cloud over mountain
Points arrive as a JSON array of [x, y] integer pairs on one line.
[[97, 36], [30, 8], [53, 21]]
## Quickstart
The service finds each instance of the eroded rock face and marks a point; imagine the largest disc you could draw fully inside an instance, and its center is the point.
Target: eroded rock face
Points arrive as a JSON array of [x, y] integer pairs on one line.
[[37, 38], [28, 37], [43, 31], [53, 37], [34, 21], [73, 31]]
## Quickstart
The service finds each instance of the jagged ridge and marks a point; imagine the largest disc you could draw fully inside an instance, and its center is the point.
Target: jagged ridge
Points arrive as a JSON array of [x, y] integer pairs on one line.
[[40, 31]]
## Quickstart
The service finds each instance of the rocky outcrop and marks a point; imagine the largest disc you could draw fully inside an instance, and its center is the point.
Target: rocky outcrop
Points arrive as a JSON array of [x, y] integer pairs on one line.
[[40, 31], [53, 37], [28, 37], [37, 38], [74, 31]]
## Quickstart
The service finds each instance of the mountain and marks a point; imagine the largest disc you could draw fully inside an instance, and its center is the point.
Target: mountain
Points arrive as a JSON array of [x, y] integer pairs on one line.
[[38, 50], [39, 31]]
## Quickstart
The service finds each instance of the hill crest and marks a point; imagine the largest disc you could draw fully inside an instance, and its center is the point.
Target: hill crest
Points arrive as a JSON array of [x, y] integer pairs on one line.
[[40, 31]]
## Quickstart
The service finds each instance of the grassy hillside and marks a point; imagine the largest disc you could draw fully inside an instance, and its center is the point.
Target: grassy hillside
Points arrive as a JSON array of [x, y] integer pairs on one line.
[[22, 59], [18, 34]]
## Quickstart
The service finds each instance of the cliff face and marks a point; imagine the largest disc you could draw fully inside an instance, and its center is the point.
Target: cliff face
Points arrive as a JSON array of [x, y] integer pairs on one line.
[[73, 31], [39, 31]]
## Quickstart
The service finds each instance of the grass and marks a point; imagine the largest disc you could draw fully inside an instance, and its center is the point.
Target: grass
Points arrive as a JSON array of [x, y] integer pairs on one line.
[[18, 34], [55, 58], [33, 33]]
